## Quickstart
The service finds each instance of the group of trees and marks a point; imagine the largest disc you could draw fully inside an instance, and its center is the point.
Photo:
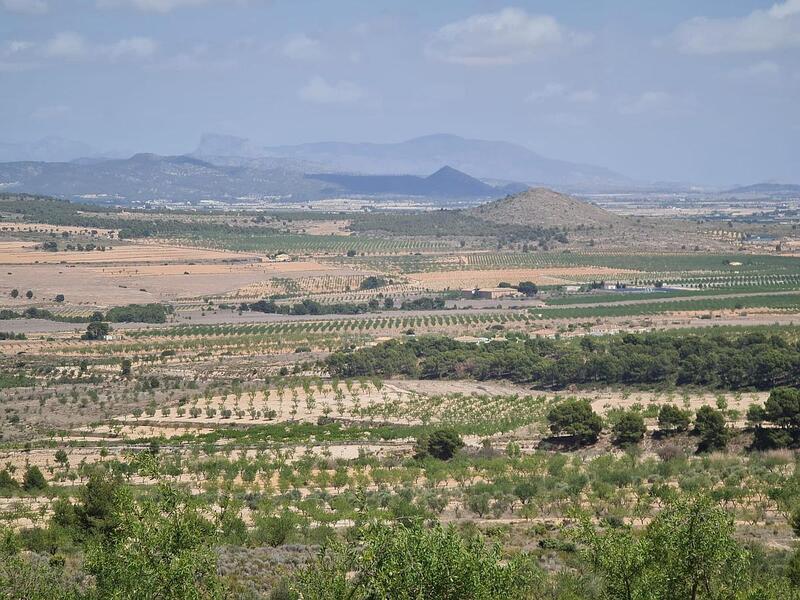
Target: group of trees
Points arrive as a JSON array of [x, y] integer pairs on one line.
[[15, 293], [310, 307], [139, 313], [576, 419], [714, 359], [52, 246], [96, 330], [313, 307]]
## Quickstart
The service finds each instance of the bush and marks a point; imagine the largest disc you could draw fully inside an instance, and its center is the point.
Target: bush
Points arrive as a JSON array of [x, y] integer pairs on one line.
[[33, 480], [575, 418], [275, 530], [672, 419], [629, 429], [372, 282], [414, 562], [96, 331], [710, 426], [7, 483], [441, 444]]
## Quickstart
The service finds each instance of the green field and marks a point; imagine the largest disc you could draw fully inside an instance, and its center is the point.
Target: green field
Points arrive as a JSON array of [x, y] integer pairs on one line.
[[779, 302]]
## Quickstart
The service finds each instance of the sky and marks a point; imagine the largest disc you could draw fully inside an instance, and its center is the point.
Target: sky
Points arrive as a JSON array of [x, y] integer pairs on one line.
[[680, 90]]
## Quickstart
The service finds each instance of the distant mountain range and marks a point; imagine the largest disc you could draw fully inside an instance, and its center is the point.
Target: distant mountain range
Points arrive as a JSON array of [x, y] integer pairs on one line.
[[423, 155], [148, 177], [767, 188]]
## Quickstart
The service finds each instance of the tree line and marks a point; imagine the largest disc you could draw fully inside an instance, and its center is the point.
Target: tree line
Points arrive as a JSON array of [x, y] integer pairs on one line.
[[731, 360]]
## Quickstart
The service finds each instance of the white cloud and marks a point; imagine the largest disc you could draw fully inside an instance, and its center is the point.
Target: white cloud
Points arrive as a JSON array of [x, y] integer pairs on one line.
[[302, 47], [67, 44], [70, 46], [319, 91], [760, 31], [557, 90], [28, 7], [16, 47], [655, 102], [507, 37], [14, 57], [161, 6], [135, 47]]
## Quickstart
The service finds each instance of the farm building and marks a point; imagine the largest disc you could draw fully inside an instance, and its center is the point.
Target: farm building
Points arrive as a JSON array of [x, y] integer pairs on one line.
[[491, 293]]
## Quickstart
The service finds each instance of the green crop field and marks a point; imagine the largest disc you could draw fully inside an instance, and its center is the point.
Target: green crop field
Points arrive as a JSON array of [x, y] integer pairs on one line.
[[788, 302]]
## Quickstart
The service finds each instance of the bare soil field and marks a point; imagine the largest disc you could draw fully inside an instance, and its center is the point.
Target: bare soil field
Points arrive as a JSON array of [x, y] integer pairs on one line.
[[18, 227], [26, 253], [133, 274]]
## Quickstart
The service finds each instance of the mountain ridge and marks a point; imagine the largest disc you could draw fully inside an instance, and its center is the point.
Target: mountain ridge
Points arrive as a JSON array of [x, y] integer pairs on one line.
[[148, 177], [423, 155]]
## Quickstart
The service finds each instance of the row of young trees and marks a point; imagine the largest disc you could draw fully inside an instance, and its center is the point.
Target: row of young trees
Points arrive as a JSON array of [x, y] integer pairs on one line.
[[308, 306], [161, 544]]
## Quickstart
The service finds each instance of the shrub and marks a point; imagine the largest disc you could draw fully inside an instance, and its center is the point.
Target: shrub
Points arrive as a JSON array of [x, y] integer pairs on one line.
[[710, 426], [414, 562], [575, 418], [441, 444], [672, 419], [33, 479], [629, 429], [372, 282], [96, 331]]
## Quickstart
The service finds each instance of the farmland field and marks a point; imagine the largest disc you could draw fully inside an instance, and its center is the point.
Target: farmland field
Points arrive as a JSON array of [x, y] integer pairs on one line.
[[293, 387]]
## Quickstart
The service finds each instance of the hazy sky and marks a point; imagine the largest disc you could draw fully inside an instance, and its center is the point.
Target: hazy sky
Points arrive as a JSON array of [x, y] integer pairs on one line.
[[658, 89]]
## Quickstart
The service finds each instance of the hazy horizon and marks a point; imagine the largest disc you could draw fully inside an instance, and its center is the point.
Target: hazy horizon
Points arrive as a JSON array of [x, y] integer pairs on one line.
[[701, 92]]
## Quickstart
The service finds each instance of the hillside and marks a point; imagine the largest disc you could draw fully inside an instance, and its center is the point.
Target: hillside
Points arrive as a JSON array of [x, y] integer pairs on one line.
[[444, 183], [146, 177], [779, 189], [545, 208]]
